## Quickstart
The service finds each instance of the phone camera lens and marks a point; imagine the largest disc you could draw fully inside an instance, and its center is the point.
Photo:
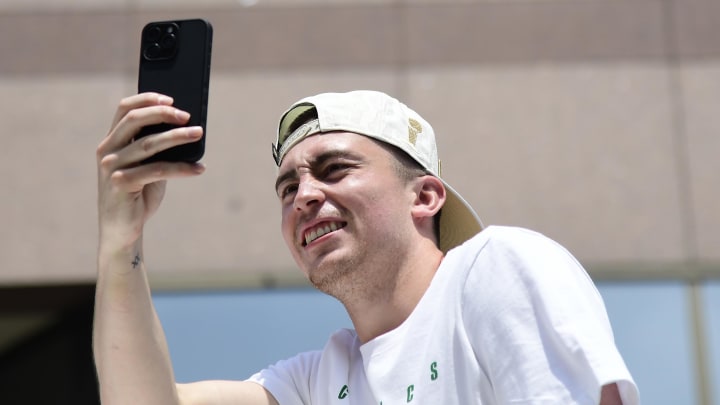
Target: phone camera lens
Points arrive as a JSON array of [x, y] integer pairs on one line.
[[153, 52], [160, 41], [153, 34], [168, 41]]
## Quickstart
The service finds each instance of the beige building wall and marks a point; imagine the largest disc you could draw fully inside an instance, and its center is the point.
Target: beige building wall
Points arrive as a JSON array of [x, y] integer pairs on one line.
[[593, 121]]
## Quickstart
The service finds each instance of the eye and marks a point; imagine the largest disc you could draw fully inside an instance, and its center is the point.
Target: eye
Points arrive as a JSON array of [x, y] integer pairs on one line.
[[334, 170], [287, 189]]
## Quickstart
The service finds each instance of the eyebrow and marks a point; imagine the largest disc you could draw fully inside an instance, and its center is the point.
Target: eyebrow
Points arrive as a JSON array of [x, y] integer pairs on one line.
[[319, 160]]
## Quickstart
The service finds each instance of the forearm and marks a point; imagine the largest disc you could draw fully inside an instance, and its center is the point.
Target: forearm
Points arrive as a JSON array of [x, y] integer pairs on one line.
[[130, 349]]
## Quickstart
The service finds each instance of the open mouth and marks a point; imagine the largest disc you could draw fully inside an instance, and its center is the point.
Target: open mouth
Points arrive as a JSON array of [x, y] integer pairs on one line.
[[320, 230]]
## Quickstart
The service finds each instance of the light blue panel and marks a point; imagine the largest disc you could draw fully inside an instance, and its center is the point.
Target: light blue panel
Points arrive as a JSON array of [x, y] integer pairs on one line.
[[651, 322], [231, 335], [711, 308]]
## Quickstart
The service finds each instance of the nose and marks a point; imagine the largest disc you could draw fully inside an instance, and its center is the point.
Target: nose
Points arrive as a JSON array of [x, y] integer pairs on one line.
[[309, 193]]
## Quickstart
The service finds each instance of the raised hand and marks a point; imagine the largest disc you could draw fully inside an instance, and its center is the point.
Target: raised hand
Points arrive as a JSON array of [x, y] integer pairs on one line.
[[129, 192]]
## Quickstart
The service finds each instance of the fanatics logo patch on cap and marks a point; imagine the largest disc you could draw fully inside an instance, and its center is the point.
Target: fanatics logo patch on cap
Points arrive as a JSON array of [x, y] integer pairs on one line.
[[414, 128]]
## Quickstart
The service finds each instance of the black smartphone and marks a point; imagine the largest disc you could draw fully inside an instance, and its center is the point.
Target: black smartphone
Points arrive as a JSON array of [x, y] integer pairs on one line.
[[175, 61]]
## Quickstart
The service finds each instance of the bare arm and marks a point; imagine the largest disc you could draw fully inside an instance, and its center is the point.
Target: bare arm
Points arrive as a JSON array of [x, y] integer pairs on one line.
[[129, 345], [128, 342], [224, 392], [610, 395]]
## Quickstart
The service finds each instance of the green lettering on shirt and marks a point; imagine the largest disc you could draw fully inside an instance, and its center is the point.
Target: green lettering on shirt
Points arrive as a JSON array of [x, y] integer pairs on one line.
[[410, 390], [433, 371], [343, 392]]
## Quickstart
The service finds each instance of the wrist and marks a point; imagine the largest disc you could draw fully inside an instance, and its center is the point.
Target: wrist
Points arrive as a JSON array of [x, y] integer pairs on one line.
[[120, 257]]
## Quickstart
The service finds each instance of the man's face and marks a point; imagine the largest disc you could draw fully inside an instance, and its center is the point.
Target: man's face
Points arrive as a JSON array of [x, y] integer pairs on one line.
[[344, 206]]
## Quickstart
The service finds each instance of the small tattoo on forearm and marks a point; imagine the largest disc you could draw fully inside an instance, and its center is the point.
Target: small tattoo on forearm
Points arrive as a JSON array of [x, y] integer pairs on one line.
[[136, 261]]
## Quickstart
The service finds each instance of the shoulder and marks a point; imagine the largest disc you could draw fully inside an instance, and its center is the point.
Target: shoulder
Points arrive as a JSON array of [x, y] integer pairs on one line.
[[297, 379], [511, 262], [510, 237], [512, 244], [297, 367]]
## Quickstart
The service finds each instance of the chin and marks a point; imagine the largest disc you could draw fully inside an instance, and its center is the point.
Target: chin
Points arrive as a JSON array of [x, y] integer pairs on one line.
[[326, 278]]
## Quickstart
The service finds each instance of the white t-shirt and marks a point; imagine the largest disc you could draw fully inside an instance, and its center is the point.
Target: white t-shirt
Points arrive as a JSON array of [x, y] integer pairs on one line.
[[509, 318]]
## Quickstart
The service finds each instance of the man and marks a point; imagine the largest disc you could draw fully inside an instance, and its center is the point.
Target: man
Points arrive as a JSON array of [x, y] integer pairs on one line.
[[442, 313]]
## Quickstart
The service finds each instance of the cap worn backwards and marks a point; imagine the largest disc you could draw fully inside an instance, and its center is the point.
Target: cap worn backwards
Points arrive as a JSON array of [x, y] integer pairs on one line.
[[379, 116]]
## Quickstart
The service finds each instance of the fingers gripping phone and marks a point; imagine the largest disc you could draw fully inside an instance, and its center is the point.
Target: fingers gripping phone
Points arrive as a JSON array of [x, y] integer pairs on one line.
[[175, 61]]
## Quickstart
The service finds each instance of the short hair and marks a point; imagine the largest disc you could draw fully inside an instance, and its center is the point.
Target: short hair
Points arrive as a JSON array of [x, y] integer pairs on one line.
[[408, 169]]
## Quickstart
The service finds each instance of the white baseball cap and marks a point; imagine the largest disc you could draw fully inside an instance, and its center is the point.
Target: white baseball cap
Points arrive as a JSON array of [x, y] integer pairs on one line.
[[379, 116]]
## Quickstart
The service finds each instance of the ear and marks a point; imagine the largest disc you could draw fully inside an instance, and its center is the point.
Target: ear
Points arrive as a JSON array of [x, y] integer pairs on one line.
[[429, 197]]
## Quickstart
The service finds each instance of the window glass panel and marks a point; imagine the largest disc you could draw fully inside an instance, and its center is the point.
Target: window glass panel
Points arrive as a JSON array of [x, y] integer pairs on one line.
[[651, 322], [231, 335], [712, 315]]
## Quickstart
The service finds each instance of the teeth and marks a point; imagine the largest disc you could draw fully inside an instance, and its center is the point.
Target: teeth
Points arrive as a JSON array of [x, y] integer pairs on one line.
[[316, 233]]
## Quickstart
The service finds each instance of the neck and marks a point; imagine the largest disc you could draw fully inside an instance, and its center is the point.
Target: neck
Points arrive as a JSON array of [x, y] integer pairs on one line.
[[397, 287]]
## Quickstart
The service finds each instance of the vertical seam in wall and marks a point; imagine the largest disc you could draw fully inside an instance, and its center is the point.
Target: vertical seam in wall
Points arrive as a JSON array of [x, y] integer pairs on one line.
[[401, 9], [701, 350], [679, 134], [685, 195]]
